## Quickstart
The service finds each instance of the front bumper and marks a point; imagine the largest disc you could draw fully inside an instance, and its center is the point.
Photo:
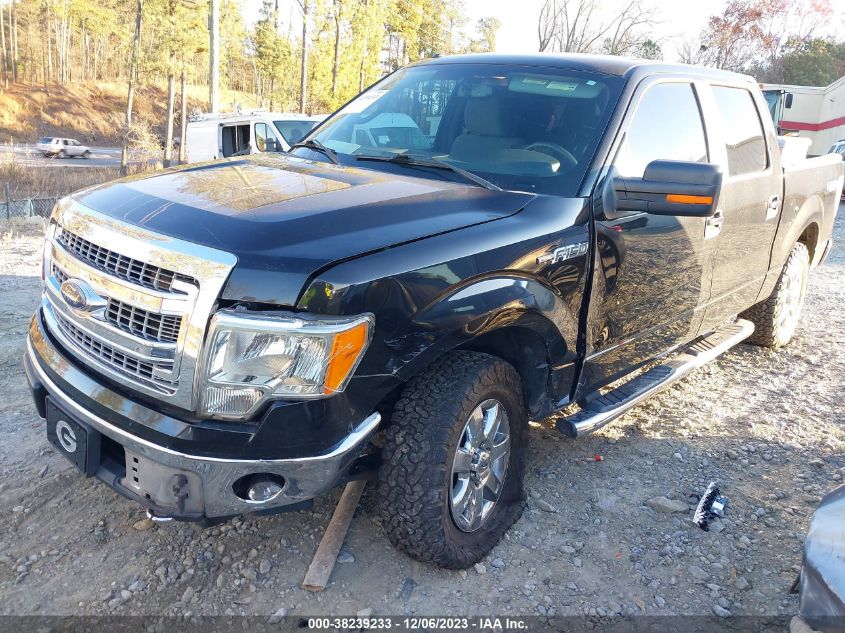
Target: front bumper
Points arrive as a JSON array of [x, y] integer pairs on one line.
[[145, 471]]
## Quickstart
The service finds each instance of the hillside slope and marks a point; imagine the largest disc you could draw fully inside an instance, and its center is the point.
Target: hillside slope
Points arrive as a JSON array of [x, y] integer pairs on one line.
[[91, 112]]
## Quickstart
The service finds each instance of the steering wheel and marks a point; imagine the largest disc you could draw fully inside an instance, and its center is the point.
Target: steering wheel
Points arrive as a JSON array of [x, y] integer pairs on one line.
[[555, 151]]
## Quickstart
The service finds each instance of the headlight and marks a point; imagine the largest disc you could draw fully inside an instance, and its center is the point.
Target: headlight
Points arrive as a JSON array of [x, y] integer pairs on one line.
[[251, 357]]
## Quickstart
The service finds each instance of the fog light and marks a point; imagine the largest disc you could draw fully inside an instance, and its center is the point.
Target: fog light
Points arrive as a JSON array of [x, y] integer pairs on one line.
[[230, 401], [259, 488]]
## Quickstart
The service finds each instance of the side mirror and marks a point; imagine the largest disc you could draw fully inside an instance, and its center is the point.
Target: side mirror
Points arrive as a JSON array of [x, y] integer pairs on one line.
[[787, 102], [670, 187]]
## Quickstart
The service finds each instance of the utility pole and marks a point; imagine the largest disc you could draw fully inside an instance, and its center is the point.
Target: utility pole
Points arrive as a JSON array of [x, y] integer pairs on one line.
[[214, 57]]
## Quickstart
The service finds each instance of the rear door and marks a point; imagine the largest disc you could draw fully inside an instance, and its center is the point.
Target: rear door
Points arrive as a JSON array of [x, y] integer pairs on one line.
[[749, 203], [652, 272]]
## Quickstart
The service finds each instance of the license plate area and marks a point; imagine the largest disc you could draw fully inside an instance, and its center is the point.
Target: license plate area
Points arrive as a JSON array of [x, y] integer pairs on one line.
[[73, 439]]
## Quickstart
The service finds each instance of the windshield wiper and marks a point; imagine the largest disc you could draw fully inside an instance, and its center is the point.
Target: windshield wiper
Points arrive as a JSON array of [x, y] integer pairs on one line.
[[432, 161], [317, 146]]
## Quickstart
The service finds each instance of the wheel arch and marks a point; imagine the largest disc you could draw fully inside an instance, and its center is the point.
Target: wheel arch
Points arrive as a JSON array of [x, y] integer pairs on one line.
[[520, 320]]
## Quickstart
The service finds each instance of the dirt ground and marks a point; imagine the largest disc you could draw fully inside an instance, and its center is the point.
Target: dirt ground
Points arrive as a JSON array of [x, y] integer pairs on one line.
[[767, 426]]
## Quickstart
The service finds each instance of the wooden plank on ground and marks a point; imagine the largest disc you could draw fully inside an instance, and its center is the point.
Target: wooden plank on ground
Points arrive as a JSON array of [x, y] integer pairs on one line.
[[320, 569]]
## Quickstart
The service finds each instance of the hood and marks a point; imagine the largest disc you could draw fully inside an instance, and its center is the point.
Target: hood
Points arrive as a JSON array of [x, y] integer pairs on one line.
[[286, 218]]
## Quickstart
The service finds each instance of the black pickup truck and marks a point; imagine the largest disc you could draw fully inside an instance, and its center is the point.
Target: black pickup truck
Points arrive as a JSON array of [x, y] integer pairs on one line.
[[473, 242]]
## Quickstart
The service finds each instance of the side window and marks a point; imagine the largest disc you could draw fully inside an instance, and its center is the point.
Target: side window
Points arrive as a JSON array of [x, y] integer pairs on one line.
[[744, 140], [666, 126], [265, 141]]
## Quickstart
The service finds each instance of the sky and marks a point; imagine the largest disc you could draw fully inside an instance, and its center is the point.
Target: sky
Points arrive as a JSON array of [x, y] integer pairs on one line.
[[679, 19]]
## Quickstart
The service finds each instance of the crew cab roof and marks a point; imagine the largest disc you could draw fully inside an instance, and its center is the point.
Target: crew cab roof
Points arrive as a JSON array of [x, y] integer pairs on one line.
[[606, 64]]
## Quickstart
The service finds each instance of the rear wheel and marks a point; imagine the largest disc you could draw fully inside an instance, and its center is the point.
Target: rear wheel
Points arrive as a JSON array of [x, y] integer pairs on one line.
[[61, 153], [776, 318], [450, 484]]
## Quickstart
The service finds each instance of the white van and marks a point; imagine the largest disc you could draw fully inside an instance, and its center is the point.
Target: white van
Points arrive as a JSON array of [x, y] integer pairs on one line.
[[213, 136]]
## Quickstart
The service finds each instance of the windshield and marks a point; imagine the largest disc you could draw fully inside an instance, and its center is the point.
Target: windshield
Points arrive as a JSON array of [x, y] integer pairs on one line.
[[519, 127], [293, 131]]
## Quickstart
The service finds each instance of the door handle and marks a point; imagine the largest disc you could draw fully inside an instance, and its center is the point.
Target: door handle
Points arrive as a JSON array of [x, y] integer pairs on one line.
[[713, 225], [772, 207]]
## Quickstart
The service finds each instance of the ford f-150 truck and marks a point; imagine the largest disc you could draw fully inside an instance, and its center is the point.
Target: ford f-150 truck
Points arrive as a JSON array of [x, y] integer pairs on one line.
[[473, 242]]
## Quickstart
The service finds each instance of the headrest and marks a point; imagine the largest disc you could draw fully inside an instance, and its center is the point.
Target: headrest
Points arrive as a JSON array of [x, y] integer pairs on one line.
[[483, 116]]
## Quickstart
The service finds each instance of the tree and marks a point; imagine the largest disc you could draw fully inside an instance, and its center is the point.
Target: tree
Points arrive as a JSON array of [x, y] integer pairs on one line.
[[303, 67], [749, 34], [485, 41], [812, 61], [133, 77], [579, 26], [649, 49]]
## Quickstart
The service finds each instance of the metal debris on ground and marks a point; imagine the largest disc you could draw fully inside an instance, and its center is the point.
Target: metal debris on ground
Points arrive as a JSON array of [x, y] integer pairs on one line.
[[710, 505]]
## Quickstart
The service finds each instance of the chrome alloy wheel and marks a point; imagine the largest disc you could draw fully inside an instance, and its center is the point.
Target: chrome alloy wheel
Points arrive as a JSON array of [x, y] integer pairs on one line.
[[480, 465], [794, 289]]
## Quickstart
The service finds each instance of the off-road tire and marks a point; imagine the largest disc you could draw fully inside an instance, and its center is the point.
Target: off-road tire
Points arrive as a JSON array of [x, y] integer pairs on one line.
[[61, 154], [776, 318], [415, 478], [86, 155]]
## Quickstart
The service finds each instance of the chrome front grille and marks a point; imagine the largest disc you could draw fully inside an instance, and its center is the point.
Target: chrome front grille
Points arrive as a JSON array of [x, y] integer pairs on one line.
[[118, 265], [149, 325], [143, 316], [133, 368], [155, 327]]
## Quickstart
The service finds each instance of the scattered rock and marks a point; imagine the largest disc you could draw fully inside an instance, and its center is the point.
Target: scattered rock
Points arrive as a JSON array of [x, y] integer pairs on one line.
[[721, 611], [265, 566], [365, 613], [741, 583], [545, 506], [278, 615], [345, 557], [188, 594], [407, 588], [480, 568], [662, 504], [498, 563], [698, 573], [144, 524]]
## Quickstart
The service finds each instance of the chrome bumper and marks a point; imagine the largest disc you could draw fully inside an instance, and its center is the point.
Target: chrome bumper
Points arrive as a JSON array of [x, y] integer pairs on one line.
[[208, 481]]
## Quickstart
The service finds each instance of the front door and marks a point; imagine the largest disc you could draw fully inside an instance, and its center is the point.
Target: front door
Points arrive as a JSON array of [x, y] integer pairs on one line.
[[749, 203], [651, 273]]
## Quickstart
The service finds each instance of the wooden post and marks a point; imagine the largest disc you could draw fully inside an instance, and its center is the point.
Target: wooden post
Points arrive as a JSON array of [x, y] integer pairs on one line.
[[320, 569]]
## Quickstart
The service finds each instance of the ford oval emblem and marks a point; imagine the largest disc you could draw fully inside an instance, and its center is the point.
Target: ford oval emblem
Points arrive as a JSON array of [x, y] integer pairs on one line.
[[81, 297], [74, 294]]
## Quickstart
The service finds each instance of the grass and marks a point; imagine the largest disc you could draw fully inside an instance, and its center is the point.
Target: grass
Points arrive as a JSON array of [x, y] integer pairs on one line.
[[91, 112], [28, 181]]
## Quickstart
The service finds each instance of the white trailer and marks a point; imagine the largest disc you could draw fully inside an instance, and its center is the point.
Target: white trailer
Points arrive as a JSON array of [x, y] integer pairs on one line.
[[816, 113]]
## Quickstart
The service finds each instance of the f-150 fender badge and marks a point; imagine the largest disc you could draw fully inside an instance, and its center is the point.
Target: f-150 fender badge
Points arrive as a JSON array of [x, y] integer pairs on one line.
[[563, 253]]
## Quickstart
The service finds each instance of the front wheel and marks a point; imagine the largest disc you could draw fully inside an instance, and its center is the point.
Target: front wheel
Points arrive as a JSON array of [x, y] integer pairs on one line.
[[451, 480], [86, 154], [61, 154], [776, 318]]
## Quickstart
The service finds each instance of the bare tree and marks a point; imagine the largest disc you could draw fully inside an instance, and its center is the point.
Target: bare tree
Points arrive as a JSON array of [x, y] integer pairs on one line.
[[547, 23], [183, 118], [578, 26], [303, 68], [214, 57], [3, 45], [171, 103], [133, 78], [690, 50]]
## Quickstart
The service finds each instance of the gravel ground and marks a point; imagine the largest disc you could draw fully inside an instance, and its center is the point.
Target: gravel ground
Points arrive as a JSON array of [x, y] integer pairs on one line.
[[767, 426]]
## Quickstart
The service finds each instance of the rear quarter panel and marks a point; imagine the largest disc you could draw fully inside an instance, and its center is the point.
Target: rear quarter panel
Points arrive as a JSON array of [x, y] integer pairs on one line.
[[812, 189]]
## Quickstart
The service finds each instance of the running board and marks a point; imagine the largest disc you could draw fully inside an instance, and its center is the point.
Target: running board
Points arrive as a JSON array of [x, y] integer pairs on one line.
[[606, 408]]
